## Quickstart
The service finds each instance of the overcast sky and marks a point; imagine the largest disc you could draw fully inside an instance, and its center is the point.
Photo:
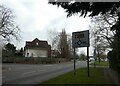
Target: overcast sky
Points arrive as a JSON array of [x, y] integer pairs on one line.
[[36, 17]]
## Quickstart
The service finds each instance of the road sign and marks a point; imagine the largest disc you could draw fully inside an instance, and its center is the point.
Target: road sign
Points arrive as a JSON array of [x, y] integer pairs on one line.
[[80, 39]]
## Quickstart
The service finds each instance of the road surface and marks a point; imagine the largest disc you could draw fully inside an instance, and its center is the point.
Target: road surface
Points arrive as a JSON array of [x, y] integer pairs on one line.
[[35, 73]]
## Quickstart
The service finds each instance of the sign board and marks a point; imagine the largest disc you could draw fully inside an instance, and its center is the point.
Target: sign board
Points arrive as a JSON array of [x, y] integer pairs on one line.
[[80, 39]]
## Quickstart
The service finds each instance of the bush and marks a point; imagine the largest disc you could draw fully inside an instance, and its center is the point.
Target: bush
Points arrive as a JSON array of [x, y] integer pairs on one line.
[[114, 60]]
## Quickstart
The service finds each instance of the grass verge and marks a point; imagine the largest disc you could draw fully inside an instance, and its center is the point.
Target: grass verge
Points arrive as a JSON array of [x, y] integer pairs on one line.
[[96, 77], [102, 63]]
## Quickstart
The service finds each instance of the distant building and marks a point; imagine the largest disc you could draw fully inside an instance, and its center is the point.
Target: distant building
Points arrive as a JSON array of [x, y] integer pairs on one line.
[[37, 48]]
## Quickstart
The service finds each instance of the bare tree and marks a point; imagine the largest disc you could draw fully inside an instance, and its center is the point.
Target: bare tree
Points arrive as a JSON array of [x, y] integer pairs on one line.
[[100, 27], [53, 37], [101, 33], [8, 27], [61, 42]]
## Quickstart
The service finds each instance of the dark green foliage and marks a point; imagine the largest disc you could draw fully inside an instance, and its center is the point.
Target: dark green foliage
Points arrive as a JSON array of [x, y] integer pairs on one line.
[[19, 53], [10, 47], [21, 50], [113, 60], [8, 53], [8, 50], [94, 8], [115, 53]]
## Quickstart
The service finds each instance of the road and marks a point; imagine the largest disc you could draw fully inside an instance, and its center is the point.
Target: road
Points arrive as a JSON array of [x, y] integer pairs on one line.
[[35, 73]]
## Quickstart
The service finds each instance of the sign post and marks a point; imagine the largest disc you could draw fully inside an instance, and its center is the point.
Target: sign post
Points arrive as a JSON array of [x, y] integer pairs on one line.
[[95, 57], [74, 63], [88, 61], [81, 39]]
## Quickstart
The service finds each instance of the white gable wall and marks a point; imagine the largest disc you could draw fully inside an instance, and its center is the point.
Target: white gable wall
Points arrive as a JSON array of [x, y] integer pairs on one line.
[[36, 53]]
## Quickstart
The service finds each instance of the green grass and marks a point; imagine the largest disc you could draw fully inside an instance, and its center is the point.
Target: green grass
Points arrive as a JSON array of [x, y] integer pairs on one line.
[[96, 77], [102, 63]]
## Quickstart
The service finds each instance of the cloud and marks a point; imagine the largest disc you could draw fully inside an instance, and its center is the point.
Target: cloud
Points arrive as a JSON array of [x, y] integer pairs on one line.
[[71, 24], [36, 17]]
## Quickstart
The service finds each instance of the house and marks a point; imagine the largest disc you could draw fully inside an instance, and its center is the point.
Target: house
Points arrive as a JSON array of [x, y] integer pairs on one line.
[[37, 48]]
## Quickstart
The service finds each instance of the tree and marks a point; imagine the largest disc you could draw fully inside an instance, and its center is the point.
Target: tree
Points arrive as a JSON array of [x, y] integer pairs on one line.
[[8, 28], [100, 27], [10, 47], [53, 37], [19, 53], [83, 8], [63, 45], [101, 34], [8, 50]]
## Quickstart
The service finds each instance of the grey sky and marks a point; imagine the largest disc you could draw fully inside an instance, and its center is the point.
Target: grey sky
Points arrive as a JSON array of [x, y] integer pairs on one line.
[[36, 17]]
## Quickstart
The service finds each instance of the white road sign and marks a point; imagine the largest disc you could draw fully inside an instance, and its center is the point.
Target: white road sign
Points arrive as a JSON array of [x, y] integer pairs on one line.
[[80, 39]]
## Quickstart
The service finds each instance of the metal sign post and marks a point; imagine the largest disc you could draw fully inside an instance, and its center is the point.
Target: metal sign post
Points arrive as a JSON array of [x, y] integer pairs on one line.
[[81, 39], [88, 61], [74, 63]]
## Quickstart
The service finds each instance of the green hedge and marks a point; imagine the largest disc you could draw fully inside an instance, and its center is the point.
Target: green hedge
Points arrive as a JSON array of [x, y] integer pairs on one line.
[[114, 59]]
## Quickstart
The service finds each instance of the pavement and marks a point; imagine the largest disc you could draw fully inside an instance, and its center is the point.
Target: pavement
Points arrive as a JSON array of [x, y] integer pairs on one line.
[[112, 76]]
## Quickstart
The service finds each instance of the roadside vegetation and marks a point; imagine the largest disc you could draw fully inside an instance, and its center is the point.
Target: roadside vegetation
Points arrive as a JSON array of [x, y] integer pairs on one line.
[[96, 77], [102, 63], [106, 21]]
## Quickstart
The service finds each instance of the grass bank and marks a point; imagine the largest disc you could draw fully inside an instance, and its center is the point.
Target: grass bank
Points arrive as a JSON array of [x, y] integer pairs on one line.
[[96, 77]]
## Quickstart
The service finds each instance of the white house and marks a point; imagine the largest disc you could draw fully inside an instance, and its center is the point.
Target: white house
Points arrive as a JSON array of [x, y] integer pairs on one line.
[[37, 48]]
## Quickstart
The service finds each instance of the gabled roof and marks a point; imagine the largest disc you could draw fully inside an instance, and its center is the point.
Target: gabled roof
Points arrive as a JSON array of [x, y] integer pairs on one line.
[[36, 43]]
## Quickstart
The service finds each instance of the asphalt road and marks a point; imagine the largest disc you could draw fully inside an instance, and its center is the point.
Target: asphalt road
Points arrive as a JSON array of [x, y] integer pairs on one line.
[[35, 73]]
